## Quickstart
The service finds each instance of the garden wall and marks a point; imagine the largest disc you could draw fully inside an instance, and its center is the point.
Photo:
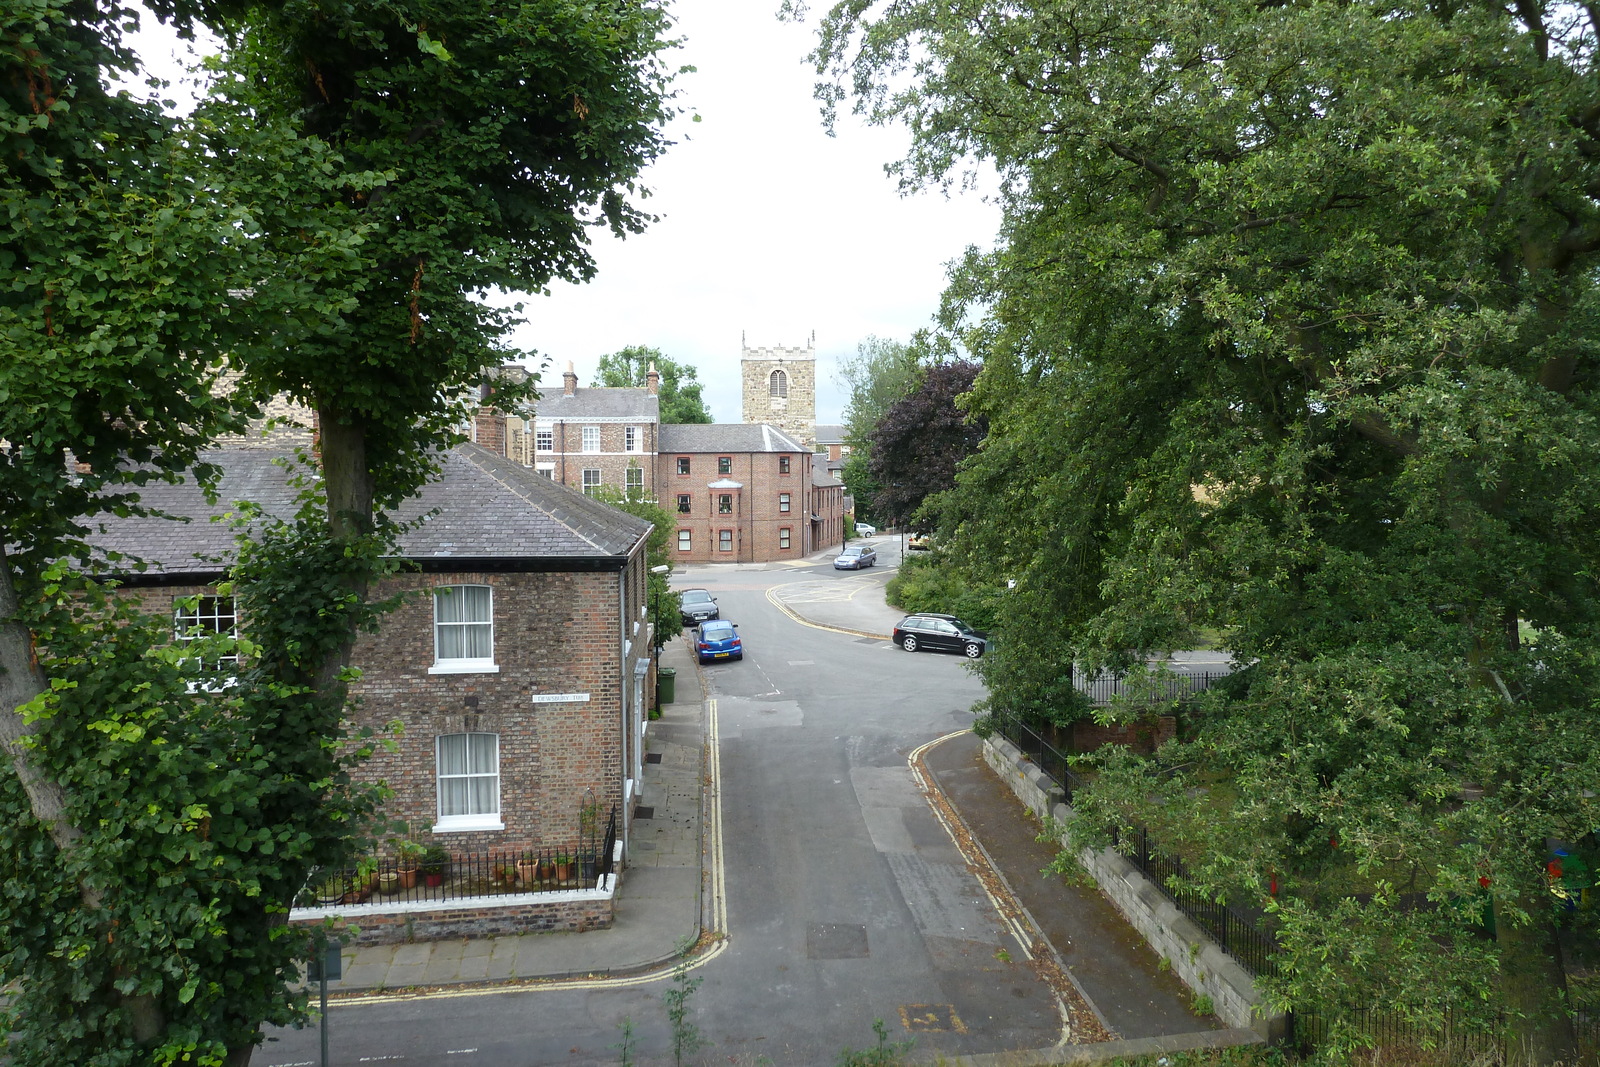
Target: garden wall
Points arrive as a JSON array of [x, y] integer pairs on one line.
[[393, 923], [1194, 957]]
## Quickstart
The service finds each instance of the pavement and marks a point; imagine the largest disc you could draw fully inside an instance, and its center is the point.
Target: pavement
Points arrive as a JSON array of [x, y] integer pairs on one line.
[[663, 910]]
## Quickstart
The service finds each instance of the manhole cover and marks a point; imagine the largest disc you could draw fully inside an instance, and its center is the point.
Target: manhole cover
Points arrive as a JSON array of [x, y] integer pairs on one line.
[[836, 941], [644, 813]]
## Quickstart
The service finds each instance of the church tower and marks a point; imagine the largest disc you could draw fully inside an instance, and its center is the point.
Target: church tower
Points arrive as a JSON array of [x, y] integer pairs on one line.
[[780, 387]]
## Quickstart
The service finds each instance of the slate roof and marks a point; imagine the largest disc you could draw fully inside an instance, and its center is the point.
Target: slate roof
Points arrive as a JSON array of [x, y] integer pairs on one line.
[[829, 435], [490, 509], [600, 403], [727, 437]]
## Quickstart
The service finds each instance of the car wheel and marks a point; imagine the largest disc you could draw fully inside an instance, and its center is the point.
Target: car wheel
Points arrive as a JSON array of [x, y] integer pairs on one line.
[[973, 650], [909, 643]]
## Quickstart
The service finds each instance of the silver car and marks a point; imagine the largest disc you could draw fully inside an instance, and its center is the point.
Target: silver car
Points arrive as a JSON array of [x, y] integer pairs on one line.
[[855, 557]]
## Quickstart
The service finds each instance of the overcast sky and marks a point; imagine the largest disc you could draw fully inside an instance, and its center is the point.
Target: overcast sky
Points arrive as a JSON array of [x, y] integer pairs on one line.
[[770, 230]]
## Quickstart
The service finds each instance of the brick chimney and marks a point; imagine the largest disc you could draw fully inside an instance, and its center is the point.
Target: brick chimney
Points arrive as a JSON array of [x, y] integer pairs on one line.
[[489, 427], [569, 380], [652, 381]]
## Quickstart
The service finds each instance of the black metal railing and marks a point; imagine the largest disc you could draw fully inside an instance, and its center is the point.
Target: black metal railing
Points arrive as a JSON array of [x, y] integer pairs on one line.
[[1452, 1039], [1238, 933], [1049, 759], [462, 875]]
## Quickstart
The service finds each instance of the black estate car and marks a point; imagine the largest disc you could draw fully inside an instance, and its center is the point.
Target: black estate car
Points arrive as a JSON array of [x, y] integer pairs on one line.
[[941, 633]]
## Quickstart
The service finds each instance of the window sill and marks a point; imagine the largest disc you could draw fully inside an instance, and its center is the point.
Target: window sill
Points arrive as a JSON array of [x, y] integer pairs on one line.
[[464, 667], [461, 824]]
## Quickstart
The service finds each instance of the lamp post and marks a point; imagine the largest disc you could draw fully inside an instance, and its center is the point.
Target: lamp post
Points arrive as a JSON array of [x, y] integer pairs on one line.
[[655, 627]]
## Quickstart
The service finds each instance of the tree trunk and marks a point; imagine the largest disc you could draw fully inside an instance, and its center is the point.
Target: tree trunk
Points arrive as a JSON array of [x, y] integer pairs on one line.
[[1534, 987], [20, 681], [347, 480]]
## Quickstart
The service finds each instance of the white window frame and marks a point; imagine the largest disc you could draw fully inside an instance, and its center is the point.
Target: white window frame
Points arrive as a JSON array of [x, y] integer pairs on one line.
[[685, 541], [544, 440], [481, 820], [630, 438], [591, 439], [724, 540], [199, 617], [592, 479], [463, 665], [635, 481]]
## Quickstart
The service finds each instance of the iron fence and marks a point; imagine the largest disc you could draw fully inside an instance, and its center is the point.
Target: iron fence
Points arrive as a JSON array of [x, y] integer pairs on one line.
[[460, 875], [1451, 1040], [1106, 686], [1236, 932]]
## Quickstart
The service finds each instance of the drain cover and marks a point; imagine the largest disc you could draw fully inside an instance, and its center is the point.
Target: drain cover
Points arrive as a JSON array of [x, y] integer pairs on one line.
[[652, 757], [644, 813]]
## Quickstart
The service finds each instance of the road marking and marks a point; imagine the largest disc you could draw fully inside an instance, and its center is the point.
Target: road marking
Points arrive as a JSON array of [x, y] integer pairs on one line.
[[714, 935]]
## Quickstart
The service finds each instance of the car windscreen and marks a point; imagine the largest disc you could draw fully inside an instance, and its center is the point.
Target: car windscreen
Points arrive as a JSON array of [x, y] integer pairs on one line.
[[697, 596]]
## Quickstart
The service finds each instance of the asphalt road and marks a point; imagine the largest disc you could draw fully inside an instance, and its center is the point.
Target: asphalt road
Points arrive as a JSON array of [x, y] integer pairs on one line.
[[847, 902]]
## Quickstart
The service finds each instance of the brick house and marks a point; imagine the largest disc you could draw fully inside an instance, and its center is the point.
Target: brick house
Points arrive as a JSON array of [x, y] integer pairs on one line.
[[743, 493], [584, 438], [521, 680]]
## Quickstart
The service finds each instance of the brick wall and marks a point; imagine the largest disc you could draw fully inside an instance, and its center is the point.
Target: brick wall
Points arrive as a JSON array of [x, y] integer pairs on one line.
[[554, 633], [574, 911], [756, 521], [568, 460], [1144, 736]]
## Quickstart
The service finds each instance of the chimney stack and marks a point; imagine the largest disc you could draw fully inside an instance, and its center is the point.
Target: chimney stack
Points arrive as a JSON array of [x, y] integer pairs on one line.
[[652, 381], [569, 380]]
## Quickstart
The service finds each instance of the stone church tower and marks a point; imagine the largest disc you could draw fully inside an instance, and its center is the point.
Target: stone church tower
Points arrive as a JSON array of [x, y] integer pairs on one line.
[[780, 387]]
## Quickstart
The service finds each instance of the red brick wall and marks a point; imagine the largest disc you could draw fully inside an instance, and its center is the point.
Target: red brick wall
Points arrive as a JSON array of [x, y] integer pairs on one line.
[[756, 522], [1144, 736], [555, 633]]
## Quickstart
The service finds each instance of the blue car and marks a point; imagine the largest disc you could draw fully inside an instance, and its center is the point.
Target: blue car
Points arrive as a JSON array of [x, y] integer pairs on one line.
[[717, 639]]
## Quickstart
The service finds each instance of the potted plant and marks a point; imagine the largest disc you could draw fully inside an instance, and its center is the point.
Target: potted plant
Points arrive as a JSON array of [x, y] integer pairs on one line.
[[563, 866], [435, 860], [331, 889], [389, 880], [407, 855], [528, 867], [364, 882]]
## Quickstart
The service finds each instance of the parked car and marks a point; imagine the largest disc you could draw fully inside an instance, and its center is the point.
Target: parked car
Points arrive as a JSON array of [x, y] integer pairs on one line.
[[697, 606], [866, 529], [941, 633], [717, 639], [919, 542], [855, 557]]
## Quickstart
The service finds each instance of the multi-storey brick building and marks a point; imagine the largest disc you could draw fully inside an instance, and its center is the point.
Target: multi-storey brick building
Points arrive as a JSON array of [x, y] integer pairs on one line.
[[586, 438], [744, 493], [520, 675]]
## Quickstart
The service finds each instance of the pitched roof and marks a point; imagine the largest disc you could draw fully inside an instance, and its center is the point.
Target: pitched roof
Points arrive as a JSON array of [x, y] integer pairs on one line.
[[727, 437], [600, 403], [487, 509], [829, 434]]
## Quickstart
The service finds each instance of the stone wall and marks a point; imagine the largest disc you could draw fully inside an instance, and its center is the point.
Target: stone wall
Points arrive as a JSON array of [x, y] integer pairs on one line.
[[1194, 957], [796, 414], [1144, 736]]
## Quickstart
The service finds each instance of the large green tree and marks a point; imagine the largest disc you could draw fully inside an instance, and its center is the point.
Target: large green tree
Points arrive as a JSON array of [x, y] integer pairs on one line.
[[329, 227], [680, 385], [1290, 333], [878, 376]]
